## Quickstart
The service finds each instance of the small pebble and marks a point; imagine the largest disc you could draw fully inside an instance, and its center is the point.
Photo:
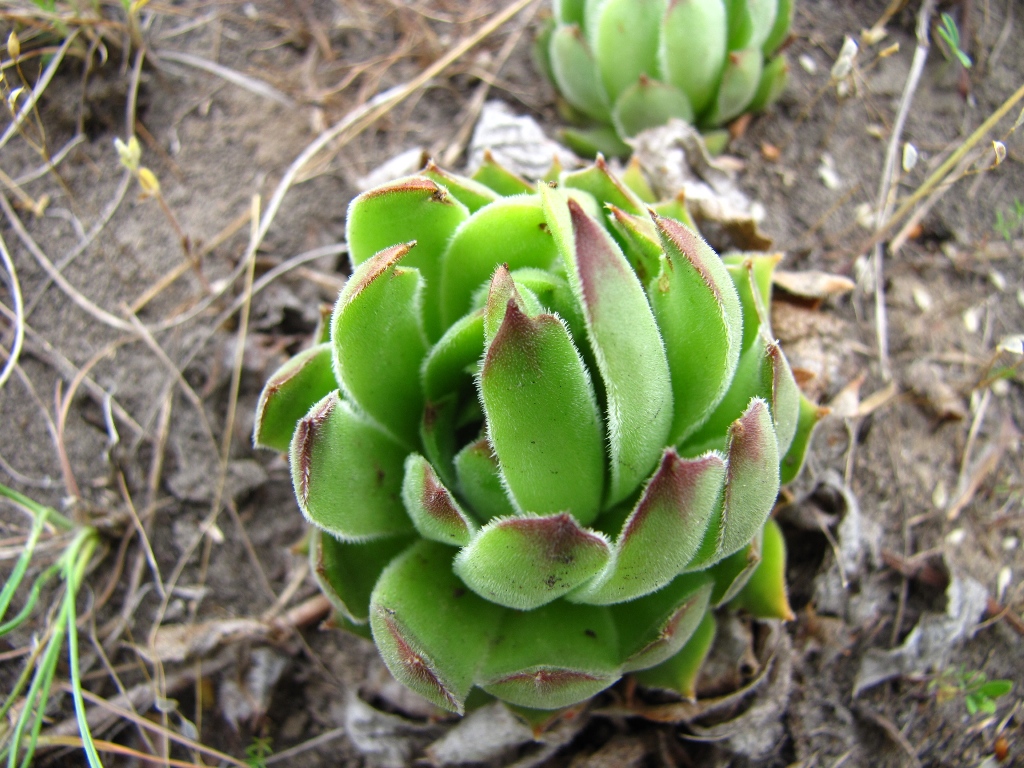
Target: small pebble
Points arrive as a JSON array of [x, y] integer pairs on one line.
[[940, 497], [1020, 296], [1000, 387], [922, 298], [865, 215], [972, 320], [956, 537], [808, 64], [998, 280], [827, 172], [876, 131], [1010, 543], [909, 157], [1003, 582]]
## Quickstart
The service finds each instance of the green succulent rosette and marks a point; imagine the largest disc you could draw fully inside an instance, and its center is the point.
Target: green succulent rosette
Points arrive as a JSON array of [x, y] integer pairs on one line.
[[623, 66], [543, 439]]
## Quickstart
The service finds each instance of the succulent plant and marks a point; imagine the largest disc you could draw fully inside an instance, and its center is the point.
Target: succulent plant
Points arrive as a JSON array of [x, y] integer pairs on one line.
[[541, 437], [627, 65]]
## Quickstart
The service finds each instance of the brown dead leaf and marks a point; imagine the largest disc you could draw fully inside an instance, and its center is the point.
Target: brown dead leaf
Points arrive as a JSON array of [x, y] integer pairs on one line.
[[812, 284]]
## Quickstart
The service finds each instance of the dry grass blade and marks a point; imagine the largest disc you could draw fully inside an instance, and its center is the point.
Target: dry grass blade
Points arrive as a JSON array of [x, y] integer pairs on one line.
[[19, 314], [38, 90], [251, 84]]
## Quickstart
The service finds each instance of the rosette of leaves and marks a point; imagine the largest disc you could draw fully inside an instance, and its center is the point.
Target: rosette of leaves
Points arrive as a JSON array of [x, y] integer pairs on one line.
[[623, 66], [541, 438]]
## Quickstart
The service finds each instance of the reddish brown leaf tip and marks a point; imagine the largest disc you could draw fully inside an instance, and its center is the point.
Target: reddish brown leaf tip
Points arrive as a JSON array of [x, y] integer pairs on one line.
[[417, 668], [305, 436], [377, 265], [674, 483], [746, 437], [437, 501], [560, 536]]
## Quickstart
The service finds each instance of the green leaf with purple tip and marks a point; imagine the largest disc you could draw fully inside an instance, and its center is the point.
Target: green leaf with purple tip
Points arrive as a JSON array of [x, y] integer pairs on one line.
[[698, 311], [379, 307], [680, 672], [526, 562], [654, 628], [625, 341], [414, 609], [433, 509], [553, 656], [347, 473], [289, 394], [541, 412], [663, 532]]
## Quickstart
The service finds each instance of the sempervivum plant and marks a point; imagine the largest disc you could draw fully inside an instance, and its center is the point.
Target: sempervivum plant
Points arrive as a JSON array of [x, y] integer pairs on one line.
[[627, 65], [542, 439]]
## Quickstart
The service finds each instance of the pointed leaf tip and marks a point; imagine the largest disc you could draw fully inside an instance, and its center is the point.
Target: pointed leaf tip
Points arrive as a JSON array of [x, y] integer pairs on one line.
[[526, 562], [434, 512], [752, 484]]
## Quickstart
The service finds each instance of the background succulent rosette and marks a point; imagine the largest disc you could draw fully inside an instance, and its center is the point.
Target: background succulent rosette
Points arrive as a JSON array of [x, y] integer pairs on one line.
[[542, 436], [622, 66]]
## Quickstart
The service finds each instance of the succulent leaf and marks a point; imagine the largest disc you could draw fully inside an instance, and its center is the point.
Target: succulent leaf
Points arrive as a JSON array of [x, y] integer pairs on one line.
[[625, 43], [451, 363], [434, 511], [698, 311], [526, 562], [654, 628], [553, 656], [664, 531], [596, 374], [575, 70], [510, 231], [541, 411], [625, 341], [679, 673], [413, 608], [411, 209], [480, 481], [740, 79], [693, 62], [764, 594], [750, 22], [347, 473], [347, 572], [780, 29], [773, 83], [500, 179], [752, 479], [732, 573], [649, 103], [380, 305], [809, 415], [289, 394], [470, 193], [597, 140]]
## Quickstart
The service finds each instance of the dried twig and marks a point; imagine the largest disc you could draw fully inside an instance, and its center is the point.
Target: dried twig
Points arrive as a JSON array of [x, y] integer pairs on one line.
[[884, 203]]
